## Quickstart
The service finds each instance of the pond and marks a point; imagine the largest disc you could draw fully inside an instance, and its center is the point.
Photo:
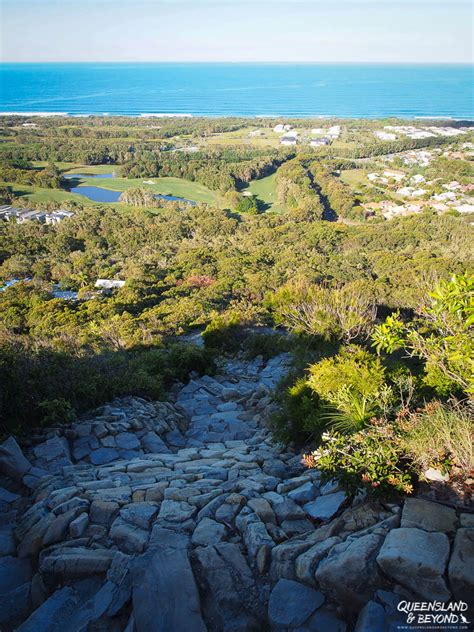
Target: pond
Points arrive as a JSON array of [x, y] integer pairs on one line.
[[82, 176], [98, 194], [173, 198]]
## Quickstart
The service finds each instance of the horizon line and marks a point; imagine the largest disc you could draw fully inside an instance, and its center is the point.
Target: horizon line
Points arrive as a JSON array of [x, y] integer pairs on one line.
[[199, 61]]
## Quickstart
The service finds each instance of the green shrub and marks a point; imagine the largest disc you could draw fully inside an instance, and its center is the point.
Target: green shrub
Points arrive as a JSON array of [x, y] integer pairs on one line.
[[266, 345], [54, 384], [352, 385], [439, 436], [344, 312], [224, 333], [442, 335], [299, 418], [56, 411], [370, 460]]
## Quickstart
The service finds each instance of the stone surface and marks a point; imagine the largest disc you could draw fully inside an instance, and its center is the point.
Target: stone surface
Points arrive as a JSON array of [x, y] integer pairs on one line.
[[208, 532], [229, 600], [325, 507], [324, 620], [417, 559], [423, 514], [13, 573], [371, 618], [165, 595], [307, 562], [291, 603], [461, 566], [104, 455], [49, 617], [12, 461], [74, 562], [349, 573], [305, 493], [185, 514]]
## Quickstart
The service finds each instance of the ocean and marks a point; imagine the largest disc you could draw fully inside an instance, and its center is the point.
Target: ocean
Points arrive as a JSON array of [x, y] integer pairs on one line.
[[226, 89]]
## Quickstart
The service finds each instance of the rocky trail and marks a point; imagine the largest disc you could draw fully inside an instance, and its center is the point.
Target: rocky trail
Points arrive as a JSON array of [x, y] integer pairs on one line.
[[184, 516]]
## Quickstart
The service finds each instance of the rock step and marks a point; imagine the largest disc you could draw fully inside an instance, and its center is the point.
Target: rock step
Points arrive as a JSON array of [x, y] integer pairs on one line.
[[185, 515]]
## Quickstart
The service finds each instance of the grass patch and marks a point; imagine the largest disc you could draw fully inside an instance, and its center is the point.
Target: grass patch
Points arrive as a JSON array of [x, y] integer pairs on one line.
[[178, 187], [264, 190]]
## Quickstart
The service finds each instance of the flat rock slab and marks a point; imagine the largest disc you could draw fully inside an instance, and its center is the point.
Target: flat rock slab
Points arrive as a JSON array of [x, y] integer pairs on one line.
[[325, 621], [325, 507], [417, 559], [49, 617], [423, 514], [12, 461], [461, 566], [104, 455], [208, 532], [165, 595], [13, 573], [291, 603]]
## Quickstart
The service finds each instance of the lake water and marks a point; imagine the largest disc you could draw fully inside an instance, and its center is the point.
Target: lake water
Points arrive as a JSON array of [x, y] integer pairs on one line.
[[357, 90], [98, 194], [82, 176]]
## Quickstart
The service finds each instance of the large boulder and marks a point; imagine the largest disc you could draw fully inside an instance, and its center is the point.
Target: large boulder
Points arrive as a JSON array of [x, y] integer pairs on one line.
[[291, 603], [229, 596], [371, 618], [50, 615], [349, 574], [417, 559], [461, 566], [423, 514], [13, 573], [68, 562], [53, 454], [12, 461]]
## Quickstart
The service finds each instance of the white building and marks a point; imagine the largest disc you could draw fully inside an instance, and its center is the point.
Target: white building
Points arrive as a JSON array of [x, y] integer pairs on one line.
[[465, 208], [411, 192], [319, 142], [398, 176], [385, 135], [334, 131], [108, 284]]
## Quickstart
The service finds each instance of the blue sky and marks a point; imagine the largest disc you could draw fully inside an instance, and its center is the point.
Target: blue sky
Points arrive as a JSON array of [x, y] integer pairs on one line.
[[237, 30]]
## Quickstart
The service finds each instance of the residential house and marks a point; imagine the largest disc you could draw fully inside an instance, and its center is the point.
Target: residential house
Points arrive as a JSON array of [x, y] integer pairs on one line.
[[108, 285], [385, 135], [319, 142], [288, 140]]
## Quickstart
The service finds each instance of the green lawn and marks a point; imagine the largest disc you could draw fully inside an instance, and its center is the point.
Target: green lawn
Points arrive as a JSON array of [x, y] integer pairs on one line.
[[355, 177], [265, 190], [178, 187], [37, 194]]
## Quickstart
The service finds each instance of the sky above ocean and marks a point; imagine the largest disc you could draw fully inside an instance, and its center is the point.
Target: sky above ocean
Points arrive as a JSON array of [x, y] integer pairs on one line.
[[426, 31]]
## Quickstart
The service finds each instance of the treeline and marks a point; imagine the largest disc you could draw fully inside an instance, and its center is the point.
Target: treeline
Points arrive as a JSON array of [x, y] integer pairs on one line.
[[370, 150], [49, 178], [220, 169], [311, 190], [295, 190]]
